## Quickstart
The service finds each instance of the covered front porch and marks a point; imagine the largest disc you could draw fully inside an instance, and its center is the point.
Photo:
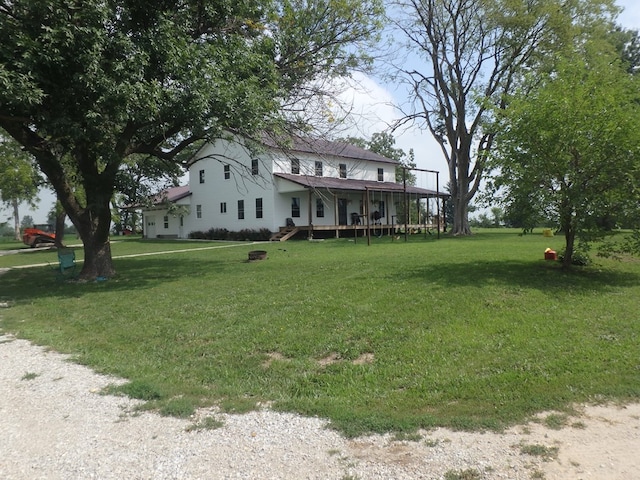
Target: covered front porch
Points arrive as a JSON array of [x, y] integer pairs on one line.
[[323, 207]]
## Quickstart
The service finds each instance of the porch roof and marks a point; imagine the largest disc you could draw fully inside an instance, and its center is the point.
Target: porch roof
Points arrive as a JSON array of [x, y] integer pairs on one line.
[[330, 183]]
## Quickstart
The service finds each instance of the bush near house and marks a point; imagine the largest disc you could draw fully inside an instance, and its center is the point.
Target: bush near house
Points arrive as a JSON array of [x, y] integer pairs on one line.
[[223, 234]]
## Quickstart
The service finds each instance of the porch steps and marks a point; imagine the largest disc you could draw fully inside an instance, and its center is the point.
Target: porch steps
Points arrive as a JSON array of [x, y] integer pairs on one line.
[[284, 234]]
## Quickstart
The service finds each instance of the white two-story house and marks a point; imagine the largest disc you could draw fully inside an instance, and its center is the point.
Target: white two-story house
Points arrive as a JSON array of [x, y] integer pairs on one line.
[[309, 187]]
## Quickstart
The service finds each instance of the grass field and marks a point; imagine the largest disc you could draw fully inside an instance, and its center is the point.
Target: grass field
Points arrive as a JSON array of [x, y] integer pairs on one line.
[[467, 333]]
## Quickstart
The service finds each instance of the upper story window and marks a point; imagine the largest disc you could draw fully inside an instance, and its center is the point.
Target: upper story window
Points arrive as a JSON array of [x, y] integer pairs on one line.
[[318, 169], [201, 176], [227, 172], [381, 174], [343, 170], [295, 166], [254, 166]]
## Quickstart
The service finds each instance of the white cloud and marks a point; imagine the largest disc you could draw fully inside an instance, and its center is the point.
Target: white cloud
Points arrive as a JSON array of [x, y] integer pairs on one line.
[[630, 16], [372, 109]]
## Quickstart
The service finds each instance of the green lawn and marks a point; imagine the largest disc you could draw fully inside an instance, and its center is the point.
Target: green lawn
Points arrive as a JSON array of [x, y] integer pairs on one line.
[[469, 333]]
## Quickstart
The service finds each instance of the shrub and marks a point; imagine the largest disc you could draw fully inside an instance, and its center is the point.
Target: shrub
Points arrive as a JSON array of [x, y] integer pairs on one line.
[[198, 235], [224, 234], [580, 257]]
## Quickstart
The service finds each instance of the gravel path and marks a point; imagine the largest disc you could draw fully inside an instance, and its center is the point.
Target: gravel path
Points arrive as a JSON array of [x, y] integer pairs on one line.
[[54, 424]]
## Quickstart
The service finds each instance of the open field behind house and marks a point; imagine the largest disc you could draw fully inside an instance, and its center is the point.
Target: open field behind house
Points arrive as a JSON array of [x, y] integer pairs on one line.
[[466, 333]]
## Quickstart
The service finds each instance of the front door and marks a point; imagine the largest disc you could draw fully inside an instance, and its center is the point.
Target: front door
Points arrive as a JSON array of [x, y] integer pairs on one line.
[[342, 211], [151, 226]]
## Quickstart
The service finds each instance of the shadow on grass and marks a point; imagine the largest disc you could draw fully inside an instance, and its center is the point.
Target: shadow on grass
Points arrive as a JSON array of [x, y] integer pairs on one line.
[[534, 275], [132, 274]]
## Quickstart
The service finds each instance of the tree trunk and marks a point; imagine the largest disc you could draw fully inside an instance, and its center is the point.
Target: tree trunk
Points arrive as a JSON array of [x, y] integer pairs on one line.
[[460, 199], [60, 229], [97, 257], [16, 221], [93, 225], [570, 238], [460, 217]]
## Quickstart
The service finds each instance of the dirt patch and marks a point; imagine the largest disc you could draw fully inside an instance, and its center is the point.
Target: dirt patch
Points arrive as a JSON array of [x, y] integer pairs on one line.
[[364, 359], [273, 357], [330, 359]]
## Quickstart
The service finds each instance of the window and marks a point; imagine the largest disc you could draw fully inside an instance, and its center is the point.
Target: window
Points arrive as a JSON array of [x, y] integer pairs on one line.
[[258, 208], [318, 169], [382, 208], [295, 166], [198, 211], [295, 207], [201, 176], [381, 174], [227, 172], [254, 167], [240, 209], [319, 208], [166, 221], [181, 221], [343, 170], [223, 207]]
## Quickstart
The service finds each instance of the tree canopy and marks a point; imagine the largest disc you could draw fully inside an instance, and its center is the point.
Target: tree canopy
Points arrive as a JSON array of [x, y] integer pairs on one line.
[[473, 54], [569, 147], [19, 179], [85, 85]]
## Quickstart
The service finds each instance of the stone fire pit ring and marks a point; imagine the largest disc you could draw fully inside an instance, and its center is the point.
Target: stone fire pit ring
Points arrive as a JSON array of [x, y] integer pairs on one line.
[[257, 255]]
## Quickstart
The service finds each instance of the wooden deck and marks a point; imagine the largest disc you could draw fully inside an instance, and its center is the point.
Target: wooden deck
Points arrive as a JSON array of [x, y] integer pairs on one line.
[[353, 230]]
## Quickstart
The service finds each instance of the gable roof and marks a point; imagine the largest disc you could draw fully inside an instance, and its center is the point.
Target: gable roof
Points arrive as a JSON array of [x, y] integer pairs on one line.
[[321, 146], [316, 146], [172, 194]]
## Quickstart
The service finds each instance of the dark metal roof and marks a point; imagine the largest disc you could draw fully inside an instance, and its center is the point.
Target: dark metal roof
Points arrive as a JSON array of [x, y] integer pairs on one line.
[[320, 146], [172, 194], [331, 183]]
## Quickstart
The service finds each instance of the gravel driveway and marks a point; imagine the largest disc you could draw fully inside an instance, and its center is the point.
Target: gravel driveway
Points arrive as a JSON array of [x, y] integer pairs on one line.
[[55, 424]]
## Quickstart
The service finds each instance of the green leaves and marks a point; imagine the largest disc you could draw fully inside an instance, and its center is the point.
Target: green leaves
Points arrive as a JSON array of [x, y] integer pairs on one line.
[[19, 179], [570, 144]]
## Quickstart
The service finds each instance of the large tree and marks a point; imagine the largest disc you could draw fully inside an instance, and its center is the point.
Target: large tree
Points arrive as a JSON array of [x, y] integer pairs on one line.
[[86, 84], [470, 55], [569, 147], [19, 179]]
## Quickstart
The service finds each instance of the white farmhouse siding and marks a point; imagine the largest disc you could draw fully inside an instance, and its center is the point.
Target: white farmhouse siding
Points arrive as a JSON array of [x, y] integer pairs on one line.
[[159, 222], [229, 179], [318, 184]]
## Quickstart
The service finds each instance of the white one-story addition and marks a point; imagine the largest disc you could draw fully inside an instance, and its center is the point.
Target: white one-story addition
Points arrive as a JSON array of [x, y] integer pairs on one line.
[[311, 187]]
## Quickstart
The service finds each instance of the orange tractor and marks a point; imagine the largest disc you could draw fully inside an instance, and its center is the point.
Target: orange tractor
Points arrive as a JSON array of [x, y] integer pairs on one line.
[[39, 235]]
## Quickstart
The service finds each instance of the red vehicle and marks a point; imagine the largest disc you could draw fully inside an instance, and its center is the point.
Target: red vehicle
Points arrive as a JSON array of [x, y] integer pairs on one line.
[[39, 235]]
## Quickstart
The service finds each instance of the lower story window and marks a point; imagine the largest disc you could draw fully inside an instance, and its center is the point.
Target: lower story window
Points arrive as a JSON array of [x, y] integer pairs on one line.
[[258, 208], [198, 211], [319, 208], [223, 207], [295, 207], [240, 209], [166, 221]]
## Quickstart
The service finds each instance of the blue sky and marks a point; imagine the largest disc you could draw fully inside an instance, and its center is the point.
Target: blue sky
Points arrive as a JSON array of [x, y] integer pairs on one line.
[[372, 100]]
